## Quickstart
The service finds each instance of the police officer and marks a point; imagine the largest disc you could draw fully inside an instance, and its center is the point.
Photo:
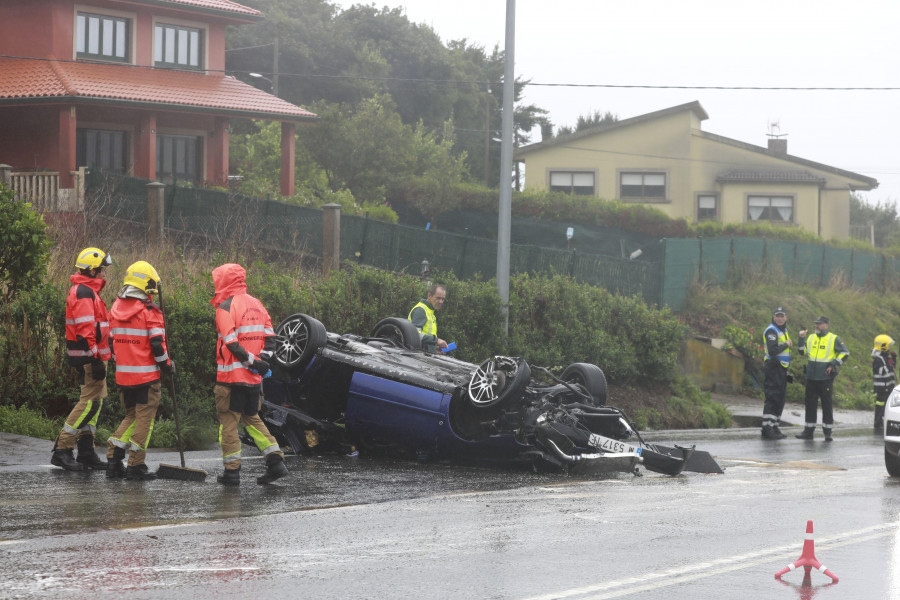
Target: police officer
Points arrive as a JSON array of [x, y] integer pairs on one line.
[[826, 353], [422, 316], [778, 359], [87, 349]]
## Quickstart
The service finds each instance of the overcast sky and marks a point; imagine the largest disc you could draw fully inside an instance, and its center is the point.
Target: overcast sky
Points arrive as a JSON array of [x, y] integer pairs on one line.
[[768, 43]]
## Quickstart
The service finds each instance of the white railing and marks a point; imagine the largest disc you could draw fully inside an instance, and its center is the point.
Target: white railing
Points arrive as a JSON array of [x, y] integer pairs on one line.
[[41, 189]]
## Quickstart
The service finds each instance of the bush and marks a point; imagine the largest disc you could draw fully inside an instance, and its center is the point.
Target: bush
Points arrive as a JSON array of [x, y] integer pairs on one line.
[[24, 246], [30, 422]]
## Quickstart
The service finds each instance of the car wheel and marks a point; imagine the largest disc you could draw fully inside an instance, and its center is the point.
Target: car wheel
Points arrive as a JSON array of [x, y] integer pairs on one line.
[[591, 377], [892, 463], [498, 380], [297, 339], [400, 331]]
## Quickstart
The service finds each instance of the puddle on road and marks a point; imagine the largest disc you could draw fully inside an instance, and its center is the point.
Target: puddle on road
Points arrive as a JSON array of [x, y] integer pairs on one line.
[[795, 464]]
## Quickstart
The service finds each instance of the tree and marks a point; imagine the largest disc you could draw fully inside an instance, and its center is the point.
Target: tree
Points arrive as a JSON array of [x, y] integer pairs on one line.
[[587, 121], [24, 246], [882, 216]]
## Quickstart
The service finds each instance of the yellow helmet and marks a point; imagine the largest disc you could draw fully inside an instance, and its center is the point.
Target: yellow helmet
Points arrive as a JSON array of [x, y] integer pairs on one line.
[[883, 342], [143, 276], [92, 258]]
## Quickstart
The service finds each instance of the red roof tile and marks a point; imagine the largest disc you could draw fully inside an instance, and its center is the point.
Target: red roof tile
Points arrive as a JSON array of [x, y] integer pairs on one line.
[[25, 79], [215, 5]]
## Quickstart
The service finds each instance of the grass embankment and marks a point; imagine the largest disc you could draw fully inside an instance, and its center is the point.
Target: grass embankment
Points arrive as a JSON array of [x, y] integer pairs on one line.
[[741, 314], [552, 322]]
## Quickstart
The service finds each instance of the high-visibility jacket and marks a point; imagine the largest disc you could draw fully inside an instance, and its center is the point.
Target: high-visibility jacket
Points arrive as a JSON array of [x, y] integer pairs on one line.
[[775, 340], [87, 324], [430, 326], [883, 364], [824, 351], [138, 337], [244, 328]]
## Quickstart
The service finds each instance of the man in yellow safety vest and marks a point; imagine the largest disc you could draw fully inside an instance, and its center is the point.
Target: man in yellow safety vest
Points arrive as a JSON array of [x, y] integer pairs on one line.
[[825, 353], [422, 316]]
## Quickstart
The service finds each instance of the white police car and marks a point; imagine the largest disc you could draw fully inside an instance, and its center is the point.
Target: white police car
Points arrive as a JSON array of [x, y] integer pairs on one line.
[[892, 433]]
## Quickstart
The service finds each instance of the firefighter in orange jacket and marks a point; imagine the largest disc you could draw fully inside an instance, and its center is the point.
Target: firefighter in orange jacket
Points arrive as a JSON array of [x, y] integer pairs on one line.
[[246, 341], [138, 339], [87, 349]]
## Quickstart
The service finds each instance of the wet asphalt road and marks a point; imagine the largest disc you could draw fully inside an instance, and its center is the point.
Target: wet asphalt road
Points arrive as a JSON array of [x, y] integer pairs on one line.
[[342, 527]]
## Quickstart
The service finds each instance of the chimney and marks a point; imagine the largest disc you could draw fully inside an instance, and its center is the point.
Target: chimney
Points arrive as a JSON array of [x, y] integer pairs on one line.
[[778, 145]]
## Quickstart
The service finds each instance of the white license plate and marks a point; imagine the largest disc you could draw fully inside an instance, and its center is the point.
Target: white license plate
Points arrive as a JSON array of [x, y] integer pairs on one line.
[[611, 445]]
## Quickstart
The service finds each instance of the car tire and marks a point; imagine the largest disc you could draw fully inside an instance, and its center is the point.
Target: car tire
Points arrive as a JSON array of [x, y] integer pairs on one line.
[[496, 381], [892, 463], [591, 377], [297, 339], [400, 331]]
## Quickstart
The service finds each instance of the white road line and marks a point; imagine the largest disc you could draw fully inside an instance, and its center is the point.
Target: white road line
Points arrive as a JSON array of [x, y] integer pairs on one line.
[[687, 573]]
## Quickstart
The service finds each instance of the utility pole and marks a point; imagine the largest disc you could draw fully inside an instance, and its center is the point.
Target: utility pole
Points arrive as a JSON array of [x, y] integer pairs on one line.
[[487, 133], [504, 220], [275, 69]]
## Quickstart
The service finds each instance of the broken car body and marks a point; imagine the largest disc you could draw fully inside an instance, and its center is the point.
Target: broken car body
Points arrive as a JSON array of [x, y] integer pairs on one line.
[[382, 390]]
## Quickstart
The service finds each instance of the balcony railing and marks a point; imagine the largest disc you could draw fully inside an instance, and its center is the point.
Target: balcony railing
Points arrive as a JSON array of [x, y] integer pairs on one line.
[[41, 189]]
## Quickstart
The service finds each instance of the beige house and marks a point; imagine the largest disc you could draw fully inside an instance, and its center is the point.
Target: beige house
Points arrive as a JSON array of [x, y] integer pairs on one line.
[[665, 159]]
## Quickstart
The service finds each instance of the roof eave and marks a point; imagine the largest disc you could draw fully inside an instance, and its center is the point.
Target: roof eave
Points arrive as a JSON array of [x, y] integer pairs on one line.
[[234, 17], [262, 115]]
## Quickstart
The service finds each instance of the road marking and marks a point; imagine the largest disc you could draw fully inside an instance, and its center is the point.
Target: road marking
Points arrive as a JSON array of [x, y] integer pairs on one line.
[[688, 573]]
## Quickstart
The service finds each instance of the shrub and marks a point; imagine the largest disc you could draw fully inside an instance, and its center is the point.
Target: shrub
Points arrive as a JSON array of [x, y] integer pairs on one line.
[[24, 246]]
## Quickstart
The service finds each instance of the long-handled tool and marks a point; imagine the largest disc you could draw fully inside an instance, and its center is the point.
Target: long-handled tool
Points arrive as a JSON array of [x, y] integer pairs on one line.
[[164, 471]]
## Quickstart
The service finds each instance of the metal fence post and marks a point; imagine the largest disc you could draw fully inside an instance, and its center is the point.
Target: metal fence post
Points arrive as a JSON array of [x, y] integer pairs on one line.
[[156, 212], [331, 238]]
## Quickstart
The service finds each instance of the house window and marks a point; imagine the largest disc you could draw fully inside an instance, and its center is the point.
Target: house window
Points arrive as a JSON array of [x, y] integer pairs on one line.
[[101, 149], [178, 157], [643, 185], [580, 184], [101, 37], [177, 46], [707, 207], [775, 209]]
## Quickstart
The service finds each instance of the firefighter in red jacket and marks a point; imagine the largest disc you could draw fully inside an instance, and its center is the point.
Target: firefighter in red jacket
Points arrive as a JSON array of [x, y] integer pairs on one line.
[[138, 339], [87, 349], [246, 342]]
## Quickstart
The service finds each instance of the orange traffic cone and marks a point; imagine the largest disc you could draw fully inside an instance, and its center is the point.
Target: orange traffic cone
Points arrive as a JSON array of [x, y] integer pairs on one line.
[[808, 558]]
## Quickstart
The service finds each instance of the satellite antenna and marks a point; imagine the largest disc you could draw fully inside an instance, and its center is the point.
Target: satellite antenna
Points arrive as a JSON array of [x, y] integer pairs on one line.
[[775, 129]]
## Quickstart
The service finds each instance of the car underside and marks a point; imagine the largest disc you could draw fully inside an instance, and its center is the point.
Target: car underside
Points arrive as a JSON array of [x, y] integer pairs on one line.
[[349, 392]]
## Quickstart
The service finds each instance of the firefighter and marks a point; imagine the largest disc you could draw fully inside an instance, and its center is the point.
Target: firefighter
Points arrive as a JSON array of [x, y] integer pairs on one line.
[[826, 353], [423, 318], [884, 364], [87, 349], [138, 340], [246, 342], [778, 359]]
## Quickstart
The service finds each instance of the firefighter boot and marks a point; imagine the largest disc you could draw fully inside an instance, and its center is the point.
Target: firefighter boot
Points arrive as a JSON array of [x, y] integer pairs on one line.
[[827, 432], [87, 456], [275, 469], [116, 469], [66, 460], [778, 434], [806, 434], [139, 472], [879, 417], [230, 477]]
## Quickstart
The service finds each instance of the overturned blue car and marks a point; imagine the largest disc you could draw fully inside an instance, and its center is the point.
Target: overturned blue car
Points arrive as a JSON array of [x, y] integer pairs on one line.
[[379, 392]]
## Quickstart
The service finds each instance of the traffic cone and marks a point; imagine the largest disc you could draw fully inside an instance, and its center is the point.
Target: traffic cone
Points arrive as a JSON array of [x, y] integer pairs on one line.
[[808, 558]]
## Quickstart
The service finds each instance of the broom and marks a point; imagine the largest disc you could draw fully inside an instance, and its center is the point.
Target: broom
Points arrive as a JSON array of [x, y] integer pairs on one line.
[[164, 471]]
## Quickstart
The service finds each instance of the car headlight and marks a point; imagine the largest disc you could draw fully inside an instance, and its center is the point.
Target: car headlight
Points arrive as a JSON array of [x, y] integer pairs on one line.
[[894, 398]]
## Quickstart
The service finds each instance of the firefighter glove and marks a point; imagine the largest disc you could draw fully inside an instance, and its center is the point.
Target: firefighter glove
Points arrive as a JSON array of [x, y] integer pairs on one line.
[[260, 367], [98, 369]]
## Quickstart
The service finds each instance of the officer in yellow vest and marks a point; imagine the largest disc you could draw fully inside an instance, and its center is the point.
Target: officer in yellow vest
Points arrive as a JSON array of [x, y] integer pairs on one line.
[[778, 359], [422, 316], [826, 353]]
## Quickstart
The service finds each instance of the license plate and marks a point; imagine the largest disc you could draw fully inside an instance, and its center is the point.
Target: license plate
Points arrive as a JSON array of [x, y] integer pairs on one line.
[[611, 445], [893, 428]]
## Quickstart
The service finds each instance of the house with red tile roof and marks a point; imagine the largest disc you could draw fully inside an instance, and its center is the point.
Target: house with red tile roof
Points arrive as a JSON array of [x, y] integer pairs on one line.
[[130, 86]]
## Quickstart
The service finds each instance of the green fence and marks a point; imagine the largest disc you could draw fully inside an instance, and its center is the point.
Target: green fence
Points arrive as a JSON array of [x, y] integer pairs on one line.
[[264, 223], [664, 282], [686, 261]]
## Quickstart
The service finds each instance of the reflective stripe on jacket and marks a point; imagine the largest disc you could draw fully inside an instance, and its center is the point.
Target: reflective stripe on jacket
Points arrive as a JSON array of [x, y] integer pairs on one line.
[[781, 339], [430, 326], [883, 371], [821, 352], [242, 319], [139, 341], [87, 324]]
